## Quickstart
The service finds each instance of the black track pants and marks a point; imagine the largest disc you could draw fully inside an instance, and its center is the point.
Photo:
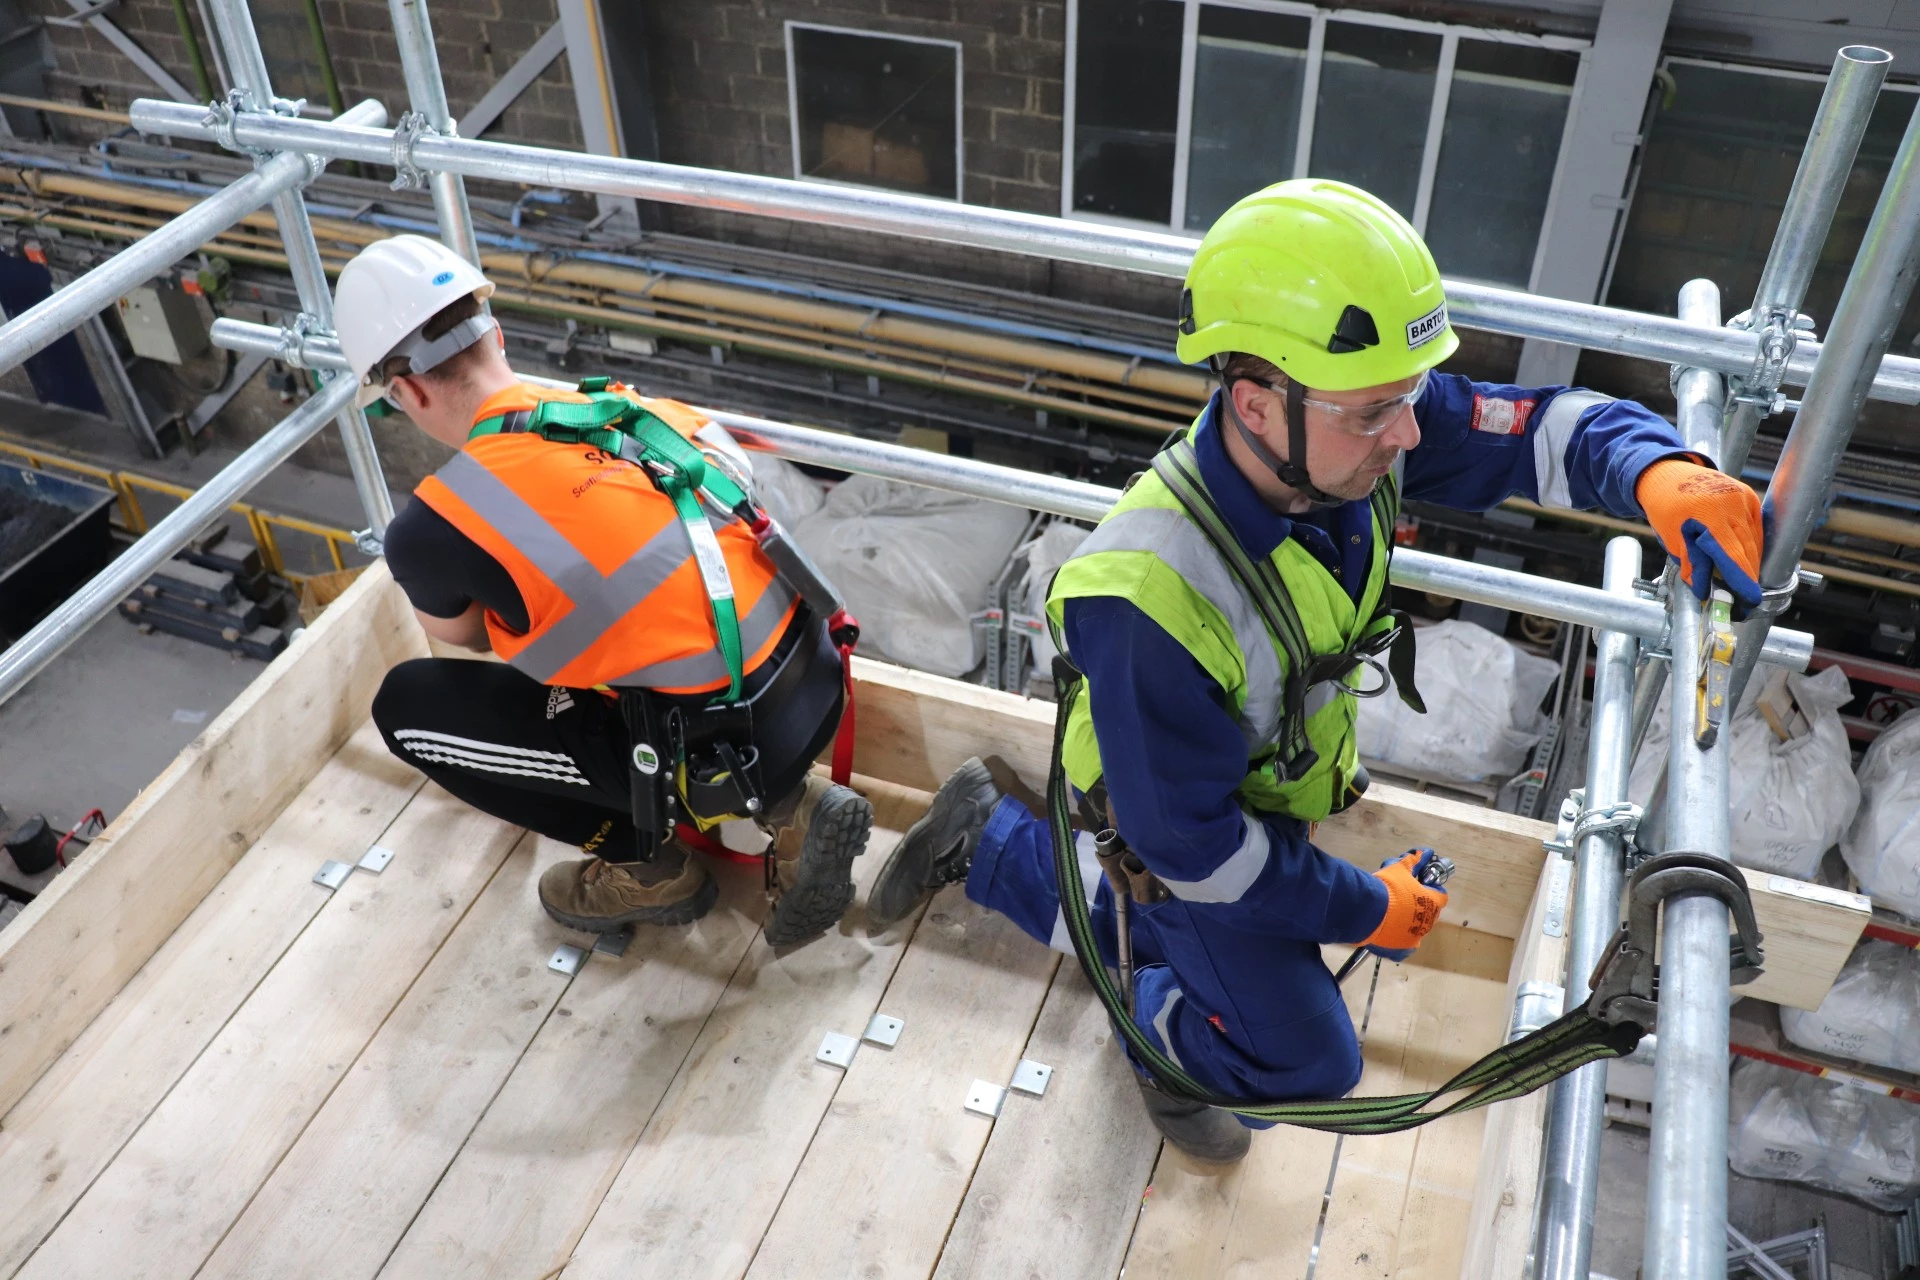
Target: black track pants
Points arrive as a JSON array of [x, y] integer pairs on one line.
[[549, 759]]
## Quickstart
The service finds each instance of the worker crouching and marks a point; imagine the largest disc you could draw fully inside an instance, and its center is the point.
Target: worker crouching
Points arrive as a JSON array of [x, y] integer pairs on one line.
[[662, 672], [1228, 611]]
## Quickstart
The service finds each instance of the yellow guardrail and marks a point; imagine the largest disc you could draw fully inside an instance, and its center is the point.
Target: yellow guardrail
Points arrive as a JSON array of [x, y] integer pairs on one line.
[[126, 487]]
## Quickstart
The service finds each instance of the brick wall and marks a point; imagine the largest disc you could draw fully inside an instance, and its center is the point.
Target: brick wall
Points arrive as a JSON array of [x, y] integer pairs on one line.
[[720, 74], [478, 41]]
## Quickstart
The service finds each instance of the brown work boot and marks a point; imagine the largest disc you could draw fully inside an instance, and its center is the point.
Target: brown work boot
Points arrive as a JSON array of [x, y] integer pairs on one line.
[[816, 834], [603, 897]]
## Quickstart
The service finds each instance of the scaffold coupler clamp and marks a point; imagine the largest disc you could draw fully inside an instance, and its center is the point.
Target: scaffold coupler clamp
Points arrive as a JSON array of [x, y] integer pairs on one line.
[[411, 127], [222, 113], [1626, 982], [1577, 821], [1779, 331]]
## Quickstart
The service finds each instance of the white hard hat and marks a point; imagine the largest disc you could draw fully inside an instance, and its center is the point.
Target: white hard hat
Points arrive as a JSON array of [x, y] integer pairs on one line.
[[388, 292]]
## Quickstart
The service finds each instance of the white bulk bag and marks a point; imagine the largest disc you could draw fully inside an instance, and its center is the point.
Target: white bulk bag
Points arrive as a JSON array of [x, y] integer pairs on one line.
[[1483, 708], [1793, 1127], [914, 565], [1791, 801], [1883, 846], [1872, 1012], [1045, 555], [789, 494]]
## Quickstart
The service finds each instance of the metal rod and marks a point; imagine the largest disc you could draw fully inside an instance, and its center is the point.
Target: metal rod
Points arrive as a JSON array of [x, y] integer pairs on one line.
[[95, 600], [1700, 393], [39, 326], [420, 63], [309, 271], [1687, 1182], [1577, 1107], [1416, 570], [1876, 294], [1477, 306], [1825, 164]]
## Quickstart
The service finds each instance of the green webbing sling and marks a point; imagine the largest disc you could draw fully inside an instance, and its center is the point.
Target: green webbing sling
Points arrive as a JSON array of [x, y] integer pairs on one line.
[[617, 426], [1566, 1044]]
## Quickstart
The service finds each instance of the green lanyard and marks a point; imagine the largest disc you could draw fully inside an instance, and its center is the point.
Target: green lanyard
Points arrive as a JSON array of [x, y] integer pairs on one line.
[[616, 425]]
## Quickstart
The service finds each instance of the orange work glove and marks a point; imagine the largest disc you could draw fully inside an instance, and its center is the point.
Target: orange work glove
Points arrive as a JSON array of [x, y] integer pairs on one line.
[[1413, 908], [1709, 521]]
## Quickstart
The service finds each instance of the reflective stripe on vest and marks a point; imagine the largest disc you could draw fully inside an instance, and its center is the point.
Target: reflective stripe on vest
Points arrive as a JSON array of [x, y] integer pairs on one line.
[[1149, 552], [583, 628]]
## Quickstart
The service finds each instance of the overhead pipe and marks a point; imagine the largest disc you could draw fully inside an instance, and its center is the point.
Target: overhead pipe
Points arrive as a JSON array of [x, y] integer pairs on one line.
[[41, 325], [1846, 107], [1526, 315], [1415, 570]]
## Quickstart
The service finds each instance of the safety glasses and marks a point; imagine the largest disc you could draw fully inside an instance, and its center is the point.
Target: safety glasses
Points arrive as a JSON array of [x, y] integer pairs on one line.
[[1363, 420]]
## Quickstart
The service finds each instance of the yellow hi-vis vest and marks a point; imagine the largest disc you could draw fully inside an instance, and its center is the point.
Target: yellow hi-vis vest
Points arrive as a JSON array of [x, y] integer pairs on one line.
[[1150, 552]]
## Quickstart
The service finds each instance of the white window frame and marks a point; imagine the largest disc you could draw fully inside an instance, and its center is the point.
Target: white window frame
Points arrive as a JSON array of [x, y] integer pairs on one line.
[[959, 108], [1450, 37]]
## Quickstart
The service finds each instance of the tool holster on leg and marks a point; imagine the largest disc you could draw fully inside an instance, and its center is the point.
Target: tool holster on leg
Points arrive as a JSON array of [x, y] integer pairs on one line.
[[650, 766]]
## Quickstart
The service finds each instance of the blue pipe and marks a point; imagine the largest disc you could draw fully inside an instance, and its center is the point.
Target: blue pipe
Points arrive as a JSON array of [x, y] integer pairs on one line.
[[518, 244]]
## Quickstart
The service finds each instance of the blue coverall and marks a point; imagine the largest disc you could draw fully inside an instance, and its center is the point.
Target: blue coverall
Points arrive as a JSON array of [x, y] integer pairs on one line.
[[1236, 991]]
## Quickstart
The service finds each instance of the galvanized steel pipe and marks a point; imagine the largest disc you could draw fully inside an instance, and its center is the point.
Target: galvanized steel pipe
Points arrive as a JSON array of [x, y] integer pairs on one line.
[[97, 598], [1687, 1172], [1577, 1106], [41, 325], [427, 92], [1825, 165], [242, 45], [1163, 253]]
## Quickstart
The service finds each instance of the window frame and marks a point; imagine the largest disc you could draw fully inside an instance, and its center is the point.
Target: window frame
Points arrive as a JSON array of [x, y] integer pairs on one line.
[[959, 105], [1451, 34]]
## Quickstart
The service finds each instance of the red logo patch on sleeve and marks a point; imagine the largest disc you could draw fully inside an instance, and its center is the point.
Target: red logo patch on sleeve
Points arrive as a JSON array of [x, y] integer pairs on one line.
[[1500, 417]]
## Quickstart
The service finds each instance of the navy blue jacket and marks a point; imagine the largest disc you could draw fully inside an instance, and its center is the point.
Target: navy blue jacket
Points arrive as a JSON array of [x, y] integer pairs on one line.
[[1170, 749]]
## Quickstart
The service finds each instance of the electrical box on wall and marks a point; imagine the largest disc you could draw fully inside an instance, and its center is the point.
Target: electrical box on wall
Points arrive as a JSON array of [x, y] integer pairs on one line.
[[162, 323]]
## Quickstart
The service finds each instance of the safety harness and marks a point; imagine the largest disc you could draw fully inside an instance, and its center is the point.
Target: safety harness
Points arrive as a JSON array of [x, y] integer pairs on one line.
[[709, 761], [1609, 1024], [1389, 631]]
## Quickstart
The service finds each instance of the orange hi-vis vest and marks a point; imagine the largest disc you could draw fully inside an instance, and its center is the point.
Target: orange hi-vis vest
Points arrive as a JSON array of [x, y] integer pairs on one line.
[[603, 562]]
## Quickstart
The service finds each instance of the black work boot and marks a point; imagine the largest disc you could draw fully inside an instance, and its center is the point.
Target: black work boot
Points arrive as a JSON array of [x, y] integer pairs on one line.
[[938, 849], [816, 836], [1205, 1134]]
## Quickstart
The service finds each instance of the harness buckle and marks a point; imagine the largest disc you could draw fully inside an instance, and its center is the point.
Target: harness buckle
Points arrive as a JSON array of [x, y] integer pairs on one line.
[[1626, 982]]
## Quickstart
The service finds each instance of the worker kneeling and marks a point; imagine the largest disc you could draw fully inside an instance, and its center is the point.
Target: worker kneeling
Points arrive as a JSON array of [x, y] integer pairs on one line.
[[661, 669], [1230, 608]]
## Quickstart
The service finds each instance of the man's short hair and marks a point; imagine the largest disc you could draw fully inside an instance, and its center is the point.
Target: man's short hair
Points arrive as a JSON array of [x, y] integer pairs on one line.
[[455, 369], [1239, 364]]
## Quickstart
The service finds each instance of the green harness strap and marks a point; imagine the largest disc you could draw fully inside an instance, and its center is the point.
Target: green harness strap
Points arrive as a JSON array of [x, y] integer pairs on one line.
[[1567, 1044], [617, 426]]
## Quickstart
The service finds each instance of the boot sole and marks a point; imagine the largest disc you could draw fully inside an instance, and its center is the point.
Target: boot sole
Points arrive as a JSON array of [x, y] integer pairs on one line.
[[685, 911], [824, 890], [912, 860]]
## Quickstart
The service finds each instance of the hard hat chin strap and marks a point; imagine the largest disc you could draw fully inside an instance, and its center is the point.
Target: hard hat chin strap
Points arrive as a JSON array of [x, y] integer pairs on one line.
[[1294, 476]]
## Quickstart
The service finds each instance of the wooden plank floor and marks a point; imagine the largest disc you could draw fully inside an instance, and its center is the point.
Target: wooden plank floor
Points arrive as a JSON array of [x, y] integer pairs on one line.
[[388, 1081]]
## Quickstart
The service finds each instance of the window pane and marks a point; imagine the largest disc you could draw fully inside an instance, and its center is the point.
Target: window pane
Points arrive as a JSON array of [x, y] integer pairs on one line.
[[1505, 115], [1370, 125], [1126, 107], [1246, 107], [876, 110], [1716, 169]]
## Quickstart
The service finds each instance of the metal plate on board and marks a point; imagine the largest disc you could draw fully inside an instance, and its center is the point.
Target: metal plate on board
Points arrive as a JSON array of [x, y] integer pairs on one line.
[[613, 944], [1031, 1077], [836, 1050], [567, 959], [883, 1029], [332, 874], [1559, 890], [986, 1099], [376, 859]]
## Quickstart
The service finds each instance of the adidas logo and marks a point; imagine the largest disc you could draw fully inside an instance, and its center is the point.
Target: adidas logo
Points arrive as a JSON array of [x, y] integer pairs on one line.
[[558, 700]]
